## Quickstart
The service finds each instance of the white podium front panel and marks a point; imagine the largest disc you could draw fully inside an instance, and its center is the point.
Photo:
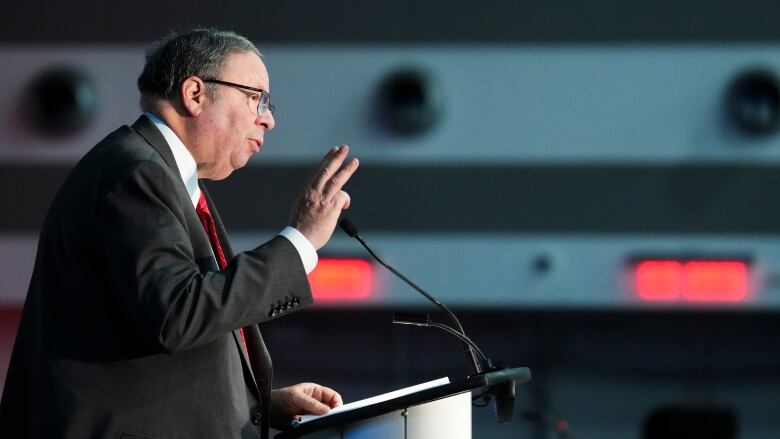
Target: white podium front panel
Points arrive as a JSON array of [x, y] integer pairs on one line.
[[388, 426], [448, 418]]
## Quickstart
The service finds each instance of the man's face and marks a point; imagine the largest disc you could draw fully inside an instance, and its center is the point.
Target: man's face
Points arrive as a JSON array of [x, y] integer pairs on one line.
[[234, 130]]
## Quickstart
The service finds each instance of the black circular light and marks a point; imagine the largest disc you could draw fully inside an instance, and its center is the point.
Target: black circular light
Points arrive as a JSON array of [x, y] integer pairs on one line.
[[60, 101], [410, 101], [753, 101]]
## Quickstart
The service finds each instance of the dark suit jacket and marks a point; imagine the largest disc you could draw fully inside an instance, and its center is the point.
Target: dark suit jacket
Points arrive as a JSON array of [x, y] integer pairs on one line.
[[129, 329]]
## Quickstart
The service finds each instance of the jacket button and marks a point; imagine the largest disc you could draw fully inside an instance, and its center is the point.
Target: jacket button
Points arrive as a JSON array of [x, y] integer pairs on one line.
[[256, 418]]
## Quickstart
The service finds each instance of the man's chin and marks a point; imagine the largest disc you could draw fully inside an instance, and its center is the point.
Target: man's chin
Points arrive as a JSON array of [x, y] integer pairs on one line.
[[240, 164], [221, 175]]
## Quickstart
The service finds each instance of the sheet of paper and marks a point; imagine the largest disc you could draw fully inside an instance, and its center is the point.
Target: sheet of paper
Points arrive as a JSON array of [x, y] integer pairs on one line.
[[375, 399]]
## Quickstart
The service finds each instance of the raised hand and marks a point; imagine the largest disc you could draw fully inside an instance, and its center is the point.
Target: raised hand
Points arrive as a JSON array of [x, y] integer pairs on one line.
[[319, 205]]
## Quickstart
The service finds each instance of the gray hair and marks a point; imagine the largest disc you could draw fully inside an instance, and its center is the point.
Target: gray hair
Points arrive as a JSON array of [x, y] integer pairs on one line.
[[177, 56]]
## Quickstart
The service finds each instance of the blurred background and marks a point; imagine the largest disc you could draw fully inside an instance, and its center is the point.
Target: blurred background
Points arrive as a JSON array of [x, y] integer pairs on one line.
[[590, 185]]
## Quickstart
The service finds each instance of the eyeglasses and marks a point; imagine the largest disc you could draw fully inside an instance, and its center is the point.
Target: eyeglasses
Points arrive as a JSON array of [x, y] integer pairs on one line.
[[263, 99]]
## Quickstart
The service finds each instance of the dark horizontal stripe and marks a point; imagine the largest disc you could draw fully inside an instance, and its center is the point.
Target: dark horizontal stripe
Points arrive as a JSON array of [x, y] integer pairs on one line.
[[463, 199], [642, 344], [352, 21]]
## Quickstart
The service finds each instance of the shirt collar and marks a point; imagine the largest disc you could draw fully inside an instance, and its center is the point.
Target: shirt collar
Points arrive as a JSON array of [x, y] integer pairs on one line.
[[184, 160]]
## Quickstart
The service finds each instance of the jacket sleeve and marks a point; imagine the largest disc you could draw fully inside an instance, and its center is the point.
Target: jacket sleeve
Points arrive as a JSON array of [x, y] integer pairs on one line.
[[152, 271]]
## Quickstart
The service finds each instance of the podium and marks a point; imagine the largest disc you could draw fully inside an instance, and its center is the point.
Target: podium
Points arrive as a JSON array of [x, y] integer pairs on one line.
[[438, 412]]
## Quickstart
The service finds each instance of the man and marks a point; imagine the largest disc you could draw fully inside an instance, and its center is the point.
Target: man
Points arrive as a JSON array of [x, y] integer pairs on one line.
[[139, 321]]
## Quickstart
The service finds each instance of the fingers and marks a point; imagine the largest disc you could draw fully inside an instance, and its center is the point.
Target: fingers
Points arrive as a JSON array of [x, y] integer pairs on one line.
[[307, 404], [304, 398], [333, 185], [326, 395], [331, 397], [329, 166], [317, 208]]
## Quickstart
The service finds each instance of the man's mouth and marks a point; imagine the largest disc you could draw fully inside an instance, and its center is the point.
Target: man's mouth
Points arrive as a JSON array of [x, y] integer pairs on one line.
[[256, 144]]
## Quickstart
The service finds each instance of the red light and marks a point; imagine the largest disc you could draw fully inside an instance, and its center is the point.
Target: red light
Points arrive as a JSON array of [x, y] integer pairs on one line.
[[697, 281], [716, 281], [659, 280], [342, 279]]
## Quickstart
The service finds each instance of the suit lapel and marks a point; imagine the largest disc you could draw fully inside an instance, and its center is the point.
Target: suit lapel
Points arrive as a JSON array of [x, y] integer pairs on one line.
[[200, 241], [254, 353], [146, 129]]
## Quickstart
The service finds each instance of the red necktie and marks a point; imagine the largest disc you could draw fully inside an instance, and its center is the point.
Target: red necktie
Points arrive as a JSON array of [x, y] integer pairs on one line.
[[211, 231]]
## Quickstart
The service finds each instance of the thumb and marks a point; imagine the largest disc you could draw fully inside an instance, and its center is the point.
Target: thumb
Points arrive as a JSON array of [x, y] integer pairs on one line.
[[345, 200]]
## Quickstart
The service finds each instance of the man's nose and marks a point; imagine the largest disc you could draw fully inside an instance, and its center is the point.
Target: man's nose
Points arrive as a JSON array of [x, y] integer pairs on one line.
[[267, 120]]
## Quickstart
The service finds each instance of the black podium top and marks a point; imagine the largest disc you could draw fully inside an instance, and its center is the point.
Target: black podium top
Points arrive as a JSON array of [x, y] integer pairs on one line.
[[519, 374]]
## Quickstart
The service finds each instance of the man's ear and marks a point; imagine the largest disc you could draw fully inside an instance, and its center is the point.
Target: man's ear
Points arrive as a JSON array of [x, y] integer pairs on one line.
[[193, 95]]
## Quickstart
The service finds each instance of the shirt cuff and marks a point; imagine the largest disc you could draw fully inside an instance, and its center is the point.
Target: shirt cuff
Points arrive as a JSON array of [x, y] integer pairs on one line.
[[305, 249]]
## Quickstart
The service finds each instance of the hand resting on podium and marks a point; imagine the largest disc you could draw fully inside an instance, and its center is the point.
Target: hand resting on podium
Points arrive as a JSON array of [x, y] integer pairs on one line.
[[301, 399]]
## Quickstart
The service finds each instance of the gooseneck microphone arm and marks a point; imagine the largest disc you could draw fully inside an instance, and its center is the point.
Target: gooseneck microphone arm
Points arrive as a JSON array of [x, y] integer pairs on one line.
[[425, 321], [351, 229]]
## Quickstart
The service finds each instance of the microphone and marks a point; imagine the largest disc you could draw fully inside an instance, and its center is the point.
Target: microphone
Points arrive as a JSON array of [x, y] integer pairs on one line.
[[471, 359], [502, 395], [425, 320], [350, 228]]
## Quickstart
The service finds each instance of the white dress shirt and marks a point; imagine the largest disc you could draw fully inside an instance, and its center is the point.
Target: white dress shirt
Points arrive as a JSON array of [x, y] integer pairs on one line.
[[189, 175]]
